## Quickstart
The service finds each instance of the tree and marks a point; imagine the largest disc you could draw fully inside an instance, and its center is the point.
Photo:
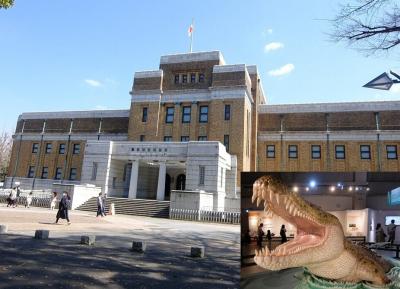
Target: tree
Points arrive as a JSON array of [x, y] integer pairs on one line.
[[5, 153], [371, 26], [6, 3]]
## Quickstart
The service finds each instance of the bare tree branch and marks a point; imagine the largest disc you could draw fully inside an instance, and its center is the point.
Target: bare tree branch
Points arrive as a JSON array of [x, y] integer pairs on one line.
[[371, 26], [5, 153]]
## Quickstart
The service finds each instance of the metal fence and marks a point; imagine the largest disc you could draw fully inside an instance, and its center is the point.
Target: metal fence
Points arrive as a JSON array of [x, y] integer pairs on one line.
[[205, 216], [39, 198]]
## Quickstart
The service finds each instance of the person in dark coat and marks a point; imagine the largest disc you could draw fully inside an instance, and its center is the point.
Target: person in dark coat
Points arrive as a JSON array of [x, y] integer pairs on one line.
[[63, 209], [100, 206], [260, 234], [269, 239], [283, 234]]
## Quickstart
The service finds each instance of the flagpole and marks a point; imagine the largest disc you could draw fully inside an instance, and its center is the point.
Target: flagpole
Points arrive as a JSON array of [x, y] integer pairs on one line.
[[191, 37]]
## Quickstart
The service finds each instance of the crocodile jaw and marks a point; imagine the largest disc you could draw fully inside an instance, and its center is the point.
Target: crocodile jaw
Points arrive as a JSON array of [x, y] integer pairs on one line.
[[319, 235]]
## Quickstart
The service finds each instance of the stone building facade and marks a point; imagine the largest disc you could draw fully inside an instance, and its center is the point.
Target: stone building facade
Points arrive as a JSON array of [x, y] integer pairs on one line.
[[193, 125]]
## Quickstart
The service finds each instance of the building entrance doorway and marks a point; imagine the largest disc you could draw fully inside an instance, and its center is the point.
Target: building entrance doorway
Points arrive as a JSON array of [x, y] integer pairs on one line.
[[181, 182]]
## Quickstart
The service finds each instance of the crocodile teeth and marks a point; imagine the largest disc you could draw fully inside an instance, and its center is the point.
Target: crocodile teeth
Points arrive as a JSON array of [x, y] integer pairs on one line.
[[277, 199], [254, 197], [258, 201], [271, 194]]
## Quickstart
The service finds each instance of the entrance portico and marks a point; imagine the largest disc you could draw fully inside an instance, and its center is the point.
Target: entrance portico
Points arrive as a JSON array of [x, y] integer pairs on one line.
[[150, 170]]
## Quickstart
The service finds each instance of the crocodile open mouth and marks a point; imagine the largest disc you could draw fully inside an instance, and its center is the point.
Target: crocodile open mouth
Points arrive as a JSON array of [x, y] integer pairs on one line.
[[310, 232]]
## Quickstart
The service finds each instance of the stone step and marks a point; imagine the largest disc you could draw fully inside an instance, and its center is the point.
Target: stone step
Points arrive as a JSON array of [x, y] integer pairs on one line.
[[138, 207]]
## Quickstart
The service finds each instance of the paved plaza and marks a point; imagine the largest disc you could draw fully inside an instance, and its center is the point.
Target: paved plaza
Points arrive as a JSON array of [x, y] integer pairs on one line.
[[61, 262]]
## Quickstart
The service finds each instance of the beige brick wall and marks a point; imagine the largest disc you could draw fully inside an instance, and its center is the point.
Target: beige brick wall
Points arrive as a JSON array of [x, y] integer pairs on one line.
[[40, 160], [304, 162]]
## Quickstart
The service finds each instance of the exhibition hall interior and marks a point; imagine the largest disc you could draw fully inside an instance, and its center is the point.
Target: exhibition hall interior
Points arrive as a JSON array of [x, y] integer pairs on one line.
[[315, 209]]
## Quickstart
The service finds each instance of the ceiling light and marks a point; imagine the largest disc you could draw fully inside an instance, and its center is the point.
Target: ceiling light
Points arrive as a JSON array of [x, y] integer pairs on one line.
[[332, 188], [313, 184], [295, 189], [350, 188]]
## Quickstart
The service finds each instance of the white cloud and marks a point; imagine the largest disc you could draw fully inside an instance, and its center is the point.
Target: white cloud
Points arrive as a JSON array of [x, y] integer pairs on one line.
[[100, 107], [273, 46], [92, 82], [267, 31], [286, 69]]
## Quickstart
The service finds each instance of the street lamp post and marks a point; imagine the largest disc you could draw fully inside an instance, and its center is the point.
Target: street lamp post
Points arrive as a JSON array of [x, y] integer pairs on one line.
[[383, 81]]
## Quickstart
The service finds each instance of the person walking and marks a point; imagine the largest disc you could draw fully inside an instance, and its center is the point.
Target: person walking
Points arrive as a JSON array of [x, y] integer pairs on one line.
[[100, 206], [283, 234], [104, 204], [28, 200], [269, 239], [379, 234], [63, 209], [13, 197], [53, 201], [391, 229], [260, 234]]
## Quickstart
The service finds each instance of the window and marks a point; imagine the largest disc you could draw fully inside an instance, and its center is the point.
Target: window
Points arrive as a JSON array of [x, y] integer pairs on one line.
[[192, 77], [48, 148], [184, 78], [167, 138], [227, 111], [203, 117], [45, 172], [142, 137], [202, 138], [270, 151], [94, 171], [72, 174], [31, 172], [391, 152], [315, 151], [35, 148], [201, 77], [292, 151], [226, 142], [202, 174], [144, 114], [61, 148], [184, 138], [76, 149], [365, 152], [114, 182], [58, 174], [176, 78], [340, 153], [186, 112], [169, 117]]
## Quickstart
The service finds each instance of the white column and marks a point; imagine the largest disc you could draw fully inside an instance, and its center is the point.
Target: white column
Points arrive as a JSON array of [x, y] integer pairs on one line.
[[161, 181], [134, 180]]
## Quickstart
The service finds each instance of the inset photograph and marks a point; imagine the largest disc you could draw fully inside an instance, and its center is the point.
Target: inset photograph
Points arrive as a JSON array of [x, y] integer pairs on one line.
[[320, 230]]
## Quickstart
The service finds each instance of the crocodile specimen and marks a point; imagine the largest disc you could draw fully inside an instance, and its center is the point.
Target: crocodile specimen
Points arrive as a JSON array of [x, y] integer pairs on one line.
[[319, 244]]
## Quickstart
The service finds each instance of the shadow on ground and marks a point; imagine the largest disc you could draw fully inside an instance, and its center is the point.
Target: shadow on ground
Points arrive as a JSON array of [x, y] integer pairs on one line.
[[64, 263]]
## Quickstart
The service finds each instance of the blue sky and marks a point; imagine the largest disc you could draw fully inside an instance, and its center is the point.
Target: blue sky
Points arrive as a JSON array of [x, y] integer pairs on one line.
[[78, 55]]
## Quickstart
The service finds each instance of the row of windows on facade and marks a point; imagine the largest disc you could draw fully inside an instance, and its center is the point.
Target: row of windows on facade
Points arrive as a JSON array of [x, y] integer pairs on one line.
[[340, 152], [193, 77], [57, 175], [187, 112], [76, 149], [186, 138]]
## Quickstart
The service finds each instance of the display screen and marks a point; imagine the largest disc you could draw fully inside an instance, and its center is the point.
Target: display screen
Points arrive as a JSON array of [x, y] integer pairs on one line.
[[394, 197], [396, 219]]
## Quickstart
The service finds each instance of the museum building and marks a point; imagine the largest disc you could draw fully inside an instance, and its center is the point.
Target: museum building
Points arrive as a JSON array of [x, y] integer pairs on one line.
[[192, 127]]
